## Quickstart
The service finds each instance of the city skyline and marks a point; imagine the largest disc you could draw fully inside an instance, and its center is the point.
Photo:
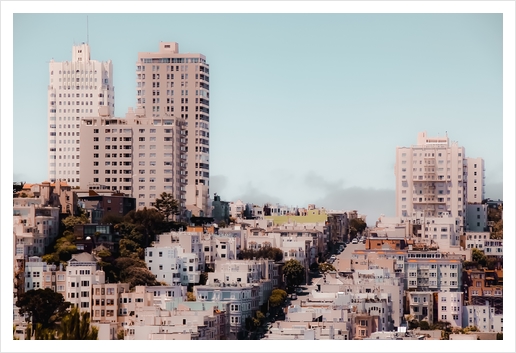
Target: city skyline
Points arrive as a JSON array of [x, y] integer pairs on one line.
[[276, 148], [287, 152]]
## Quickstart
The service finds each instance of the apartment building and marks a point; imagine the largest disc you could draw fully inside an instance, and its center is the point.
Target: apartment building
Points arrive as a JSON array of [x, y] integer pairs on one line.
[[476, 180], [338, 226], [139, 156], [433, 271], [484, 317], [82, 272], [97, 204], [431, 178], [373, 292], [180, 323], [176, 85], [483, 285], [421, 306], [449, 307], [239, 298], [242, 272], [384, 258], [58, 194], [105, 303], [476, 217], [176, 258], [35, 225], [474, 240], [172, 265], [76, 90], [34, 273]]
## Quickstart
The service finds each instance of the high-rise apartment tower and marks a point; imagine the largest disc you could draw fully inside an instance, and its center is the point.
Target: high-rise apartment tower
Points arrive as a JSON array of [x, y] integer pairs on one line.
[[431, 178], [176, 85], [76, 91]]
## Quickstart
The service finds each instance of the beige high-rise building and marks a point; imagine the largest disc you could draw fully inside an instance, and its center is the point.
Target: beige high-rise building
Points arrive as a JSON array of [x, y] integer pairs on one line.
[[76, 90], [431, 178], [176, 85], [138, 155]]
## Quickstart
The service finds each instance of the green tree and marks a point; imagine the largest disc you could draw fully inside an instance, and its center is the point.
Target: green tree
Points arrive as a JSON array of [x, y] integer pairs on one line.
[[135, 272], [276, 299], [266, 252], [326, 267], [358, 225], [294, 273], [75, 325], [148, 222], [479, 257], [203, 278], [167, 205], [71, 221], [44, 306], [413, 324], [111, 218], [41, 333], [424, 325], [314, 267], [495, 215], [190, 297]]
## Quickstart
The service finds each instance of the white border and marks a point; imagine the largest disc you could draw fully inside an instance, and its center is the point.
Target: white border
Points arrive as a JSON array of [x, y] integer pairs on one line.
[[7, 10]]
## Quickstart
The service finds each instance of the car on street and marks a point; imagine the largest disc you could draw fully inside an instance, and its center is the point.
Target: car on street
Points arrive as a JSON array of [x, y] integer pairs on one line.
[[355, 241]]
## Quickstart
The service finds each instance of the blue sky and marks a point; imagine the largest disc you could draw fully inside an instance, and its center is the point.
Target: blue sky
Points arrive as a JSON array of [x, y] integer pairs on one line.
[[305, 108]]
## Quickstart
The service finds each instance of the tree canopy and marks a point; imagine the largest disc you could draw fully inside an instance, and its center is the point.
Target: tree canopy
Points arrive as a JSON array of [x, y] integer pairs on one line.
[[478, 257], [44, 306], [495, 215], [134, 271], [277, 297], [326, 267], [71, 221], [357, 226], [266, 252], [75, 325], [148, 222], [294, 272], [167, 205]]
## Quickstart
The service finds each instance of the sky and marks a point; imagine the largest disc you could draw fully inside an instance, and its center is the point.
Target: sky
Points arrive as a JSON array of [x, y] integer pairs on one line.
[[305, 108]]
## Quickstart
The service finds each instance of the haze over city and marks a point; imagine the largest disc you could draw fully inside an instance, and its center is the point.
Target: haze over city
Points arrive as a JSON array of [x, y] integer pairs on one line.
[[308, 109]]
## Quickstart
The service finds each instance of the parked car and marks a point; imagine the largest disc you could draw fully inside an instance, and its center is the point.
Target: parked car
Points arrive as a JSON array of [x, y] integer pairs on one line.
[[293, 296], [298, 290], [355, 241]]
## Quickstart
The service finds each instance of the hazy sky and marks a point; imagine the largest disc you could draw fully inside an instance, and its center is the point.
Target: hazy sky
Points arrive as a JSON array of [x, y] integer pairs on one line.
[[305, 108]]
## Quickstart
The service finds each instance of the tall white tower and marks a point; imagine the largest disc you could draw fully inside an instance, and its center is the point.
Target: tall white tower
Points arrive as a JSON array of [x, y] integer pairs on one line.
[[76, 91], [431, 178]]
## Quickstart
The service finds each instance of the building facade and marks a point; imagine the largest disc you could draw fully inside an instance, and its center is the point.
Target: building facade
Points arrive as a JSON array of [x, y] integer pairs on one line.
[[76, 90], [177, 85], [476, 180], [431, 178], [138, 156]]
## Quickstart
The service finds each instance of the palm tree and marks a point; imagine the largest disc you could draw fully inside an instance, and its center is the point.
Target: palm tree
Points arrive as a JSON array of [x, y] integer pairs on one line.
[[76, 326]]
